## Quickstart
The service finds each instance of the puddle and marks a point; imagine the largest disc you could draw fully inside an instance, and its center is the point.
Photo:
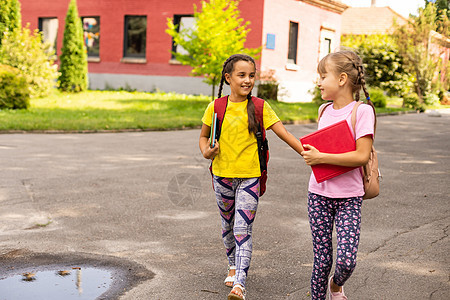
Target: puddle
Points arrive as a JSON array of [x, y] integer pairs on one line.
[[28, 275], [77, 283]]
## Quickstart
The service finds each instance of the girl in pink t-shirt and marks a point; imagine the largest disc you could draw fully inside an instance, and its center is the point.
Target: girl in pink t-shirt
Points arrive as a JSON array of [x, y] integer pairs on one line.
[[338, 200]]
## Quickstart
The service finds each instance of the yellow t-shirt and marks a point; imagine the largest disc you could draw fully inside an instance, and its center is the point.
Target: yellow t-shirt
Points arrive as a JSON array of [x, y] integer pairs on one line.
[[238, 149]]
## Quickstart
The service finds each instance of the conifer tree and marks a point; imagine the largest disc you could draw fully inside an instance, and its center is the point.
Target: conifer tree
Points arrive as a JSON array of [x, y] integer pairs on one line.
[[10, 17], [73, 67]]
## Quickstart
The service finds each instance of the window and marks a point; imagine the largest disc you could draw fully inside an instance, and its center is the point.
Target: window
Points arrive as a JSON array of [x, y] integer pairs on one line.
[[135, 36], [182, 22], [293, 40], [49, 29], [91, 33], [327, 45], [327, 37]]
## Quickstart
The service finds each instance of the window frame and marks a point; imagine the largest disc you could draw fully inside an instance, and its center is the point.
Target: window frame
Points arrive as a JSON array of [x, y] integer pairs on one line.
[[177, 21], [293, 45], [92, 56], [139, 57], [41, 30]]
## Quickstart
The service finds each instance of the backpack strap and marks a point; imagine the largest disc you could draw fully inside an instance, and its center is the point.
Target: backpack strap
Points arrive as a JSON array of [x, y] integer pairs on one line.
[[355, 108], [322, 109], [262, 143], [259, 109], [220, 107]]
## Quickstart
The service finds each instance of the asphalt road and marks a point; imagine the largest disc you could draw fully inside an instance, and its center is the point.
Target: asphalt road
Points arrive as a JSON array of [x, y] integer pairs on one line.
[[146, 198]]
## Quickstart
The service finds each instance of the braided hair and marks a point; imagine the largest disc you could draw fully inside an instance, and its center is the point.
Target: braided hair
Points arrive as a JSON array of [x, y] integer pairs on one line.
[[347, 61], [228, 68]]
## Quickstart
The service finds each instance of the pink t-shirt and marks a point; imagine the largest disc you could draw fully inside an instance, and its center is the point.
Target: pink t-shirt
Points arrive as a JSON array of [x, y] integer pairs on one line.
[[348, 184]]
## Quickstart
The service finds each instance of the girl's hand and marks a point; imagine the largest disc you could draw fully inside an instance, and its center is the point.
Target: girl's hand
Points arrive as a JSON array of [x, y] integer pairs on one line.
[[311, 155], [210, 153]]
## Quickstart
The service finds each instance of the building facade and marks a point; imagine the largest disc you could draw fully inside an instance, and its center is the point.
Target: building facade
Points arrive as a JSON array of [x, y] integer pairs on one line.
[[129, 48]]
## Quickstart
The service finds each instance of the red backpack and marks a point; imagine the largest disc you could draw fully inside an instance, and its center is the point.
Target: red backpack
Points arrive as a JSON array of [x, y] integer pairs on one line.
[[220, 107]]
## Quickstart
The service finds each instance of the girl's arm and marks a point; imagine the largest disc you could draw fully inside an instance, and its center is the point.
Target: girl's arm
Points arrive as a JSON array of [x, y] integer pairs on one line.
[[356, 158], [207, 151], [286, 136]]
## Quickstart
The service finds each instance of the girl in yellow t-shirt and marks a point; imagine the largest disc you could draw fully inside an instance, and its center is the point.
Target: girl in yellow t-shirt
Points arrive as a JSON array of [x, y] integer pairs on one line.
[[236, 168]]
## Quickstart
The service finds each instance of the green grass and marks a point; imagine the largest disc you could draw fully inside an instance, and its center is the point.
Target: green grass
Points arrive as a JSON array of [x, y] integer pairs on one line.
[[121, 110]]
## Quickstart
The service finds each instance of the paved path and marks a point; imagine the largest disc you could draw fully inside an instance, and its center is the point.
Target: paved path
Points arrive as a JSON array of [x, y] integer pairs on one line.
[[146, 197]]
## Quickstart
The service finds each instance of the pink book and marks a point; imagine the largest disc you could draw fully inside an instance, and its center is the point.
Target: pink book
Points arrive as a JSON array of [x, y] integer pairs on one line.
[[336, 138]]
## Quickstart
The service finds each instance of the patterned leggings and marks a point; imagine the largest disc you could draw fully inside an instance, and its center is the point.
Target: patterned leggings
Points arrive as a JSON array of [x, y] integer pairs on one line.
[[323, 212], [237, 199]]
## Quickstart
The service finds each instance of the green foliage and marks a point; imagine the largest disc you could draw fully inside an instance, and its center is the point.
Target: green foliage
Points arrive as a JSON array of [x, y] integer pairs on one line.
[[73, 67], [413, 40], [442, 16], [382, 62], [24, 50], [377, 97], [431, 99], [268, 91], [218, 33], [412, 101], [268, 86], [10, 17], [14, 90]]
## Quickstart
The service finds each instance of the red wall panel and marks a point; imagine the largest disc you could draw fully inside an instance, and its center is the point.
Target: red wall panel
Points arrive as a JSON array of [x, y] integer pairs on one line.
[[159, 43]]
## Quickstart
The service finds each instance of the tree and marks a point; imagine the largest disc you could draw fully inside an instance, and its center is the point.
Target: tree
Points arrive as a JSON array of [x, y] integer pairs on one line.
[[382, 62], [413, 40], [10, 17], [218, 33], [442, 16], [73, 67]]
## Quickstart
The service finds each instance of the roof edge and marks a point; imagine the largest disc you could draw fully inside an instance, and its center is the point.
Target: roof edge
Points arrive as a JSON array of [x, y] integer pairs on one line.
[[334, 6]]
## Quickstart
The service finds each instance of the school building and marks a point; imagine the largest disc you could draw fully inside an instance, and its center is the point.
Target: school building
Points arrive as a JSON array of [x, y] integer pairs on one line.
[[128, 47]]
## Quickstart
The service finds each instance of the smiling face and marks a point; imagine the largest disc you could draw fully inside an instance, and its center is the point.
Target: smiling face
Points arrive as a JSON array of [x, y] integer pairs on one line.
[[328, 84], [241, 79]]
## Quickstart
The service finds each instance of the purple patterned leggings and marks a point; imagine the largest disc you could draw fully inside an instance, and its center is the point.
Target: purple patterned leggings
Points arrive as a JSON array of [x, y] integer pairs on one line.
[[237, 199], [346, 214]]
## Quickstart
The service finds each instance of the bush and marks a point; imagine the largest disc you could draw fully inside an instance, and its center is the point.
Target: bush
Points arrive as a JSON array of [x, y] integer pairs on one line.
[[377, 97], [24, 50], [268, 86], [14, 89], [382, 62], [431, 99], [268, 91], [413, 101]]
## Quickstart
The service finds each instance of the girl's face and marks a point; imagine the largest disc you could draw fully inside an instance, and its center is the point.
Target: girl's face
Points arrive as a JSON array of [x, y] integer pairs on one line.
[[241, 79], [329, 85]]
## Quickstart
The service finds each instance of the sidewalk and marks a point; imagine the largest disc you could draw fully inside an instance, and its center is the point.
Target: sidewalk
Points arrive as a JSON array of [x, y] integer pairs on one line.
[[146, 197]]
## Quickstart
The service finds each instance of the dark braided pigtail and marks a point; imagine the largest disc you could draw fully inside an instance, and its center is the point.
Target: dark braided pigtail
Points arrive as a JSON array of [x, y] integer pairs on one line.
[[253, 123], [225, 69], [228, 67], [220, 87]]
